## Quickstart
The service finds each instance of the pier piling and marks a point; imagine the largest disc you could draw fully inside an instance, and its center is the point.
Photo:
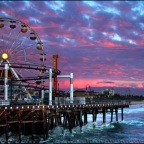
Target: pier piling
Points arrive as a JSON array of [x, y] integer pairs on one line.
[[94, 115], [111, 114], [33, 120], [116, 112], [122, 113], [85, 117], [104, 115]]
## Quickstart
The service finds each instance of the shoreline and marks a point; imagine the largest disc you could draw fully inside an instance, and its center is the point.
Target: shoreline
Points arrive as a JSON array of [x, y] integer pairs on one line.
[[136, 102]]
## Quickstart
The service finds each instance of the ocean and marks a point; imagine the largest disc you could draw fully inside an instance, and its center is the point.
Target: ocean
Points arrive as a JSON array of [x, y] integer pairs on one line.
[[130, 130]]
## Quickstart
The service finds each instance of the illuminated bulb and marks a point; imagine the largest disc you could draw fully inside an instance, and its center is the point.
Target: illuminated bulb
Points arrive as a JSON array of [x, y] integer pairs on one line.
[[4, 56]]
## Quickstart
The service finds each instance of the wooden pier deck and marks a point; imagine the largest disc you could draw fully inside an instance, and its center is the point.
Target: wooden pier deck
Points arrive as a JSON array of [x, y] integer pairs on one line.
[[39, 119]]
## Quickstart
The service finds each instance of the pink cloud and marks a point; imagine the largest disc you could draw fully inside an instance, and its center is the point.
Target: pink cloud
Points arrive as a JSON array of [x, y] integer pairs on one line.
[[85, 59], [139, 85]]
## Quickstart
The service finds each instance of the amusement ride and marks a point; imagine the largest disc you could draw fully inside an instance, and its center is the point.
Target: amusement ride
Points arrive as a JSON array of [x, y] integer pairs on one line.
[[22, 61]]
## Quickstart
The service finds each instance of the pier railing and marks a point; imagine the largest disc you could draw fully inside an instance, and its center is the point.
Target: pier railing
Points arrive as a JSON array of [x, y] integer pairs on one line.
[[4, 102], [103, 101], [75, 102]]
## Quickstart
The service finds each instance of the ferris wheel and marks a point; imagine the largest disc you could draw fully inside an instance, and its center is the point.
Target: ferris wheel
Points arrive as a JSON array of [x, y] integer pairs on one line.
[[20, 45]]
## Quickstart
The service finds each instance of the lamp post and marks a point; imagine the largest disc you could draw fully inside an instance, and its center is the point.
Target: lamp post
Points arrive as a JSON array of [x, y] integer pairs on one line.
[[58, 93], [128, 90], [88, 86], [11, 90], [128, 94], [67, 95]]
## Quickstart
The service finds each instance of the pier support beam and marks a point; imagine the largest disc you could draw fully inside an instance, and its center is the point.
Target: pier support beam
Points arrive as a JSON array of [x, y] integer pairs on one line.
[[19, 115], [6, 127], [70, 122], [42, 96], [44, 123], [6, 82], [122, 113], [94, 115], [104, 115], [76, 120], [71, 88], [116, 112], [47, 125], [64, 120], [111, 114], [32, 126], [50, 86], [85, 117], [80, 120]]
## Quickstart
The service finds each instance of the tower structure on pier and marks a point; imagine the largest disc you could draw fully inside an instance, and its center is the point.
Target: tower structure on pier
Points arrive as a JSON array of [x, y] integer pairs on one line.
[[55, 66]]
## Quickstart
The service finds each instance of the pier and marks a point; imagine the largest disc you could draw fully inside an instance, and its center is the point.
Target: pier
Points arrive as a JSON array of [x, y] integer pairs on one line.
[[39, 119]]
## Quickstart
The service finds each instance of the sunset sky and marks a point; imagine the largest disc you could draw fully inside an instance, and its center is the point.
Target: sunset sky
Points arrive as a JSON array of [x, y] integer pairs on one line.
[[102, 43]]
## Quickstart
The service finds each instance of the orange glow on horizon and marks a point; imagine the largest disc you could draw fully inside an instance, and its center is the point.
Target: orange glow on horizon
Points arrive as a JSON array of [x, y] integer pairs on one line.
[[82, 83]]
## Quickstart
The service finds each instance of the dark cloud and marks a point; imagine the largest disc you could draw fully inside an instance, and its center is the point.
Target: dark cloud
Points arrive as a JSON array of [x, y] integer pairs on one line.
[[106, 82]]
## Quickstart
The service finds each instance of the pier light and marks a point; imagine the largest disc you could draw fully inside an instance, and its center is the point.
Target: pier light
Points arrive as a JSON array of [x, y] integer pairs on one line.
[[22, 107], [28, 107], [4, 56], [17, 107], [10, 107], [5, 107]]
